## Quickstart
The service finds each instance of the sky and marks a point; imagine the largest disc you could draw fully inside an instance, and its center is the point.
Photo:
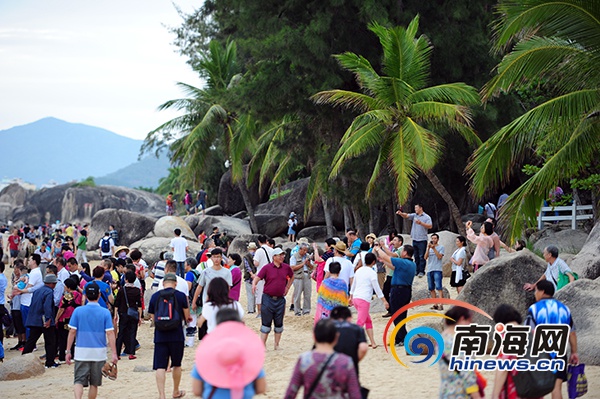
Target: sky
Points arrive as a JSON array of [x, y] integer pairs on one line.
[[106, 63]]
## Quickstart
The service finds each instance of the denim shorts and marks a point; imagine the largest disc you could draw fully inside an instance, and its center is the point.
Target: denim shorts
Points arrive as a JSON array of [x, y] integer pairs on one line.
[[434, 280]]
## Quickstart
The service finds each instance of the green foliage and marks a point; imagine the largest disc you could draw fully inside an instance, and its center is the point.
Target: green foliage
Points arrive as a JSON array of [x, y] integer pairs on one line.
[[558, 43], [279, 193], [147, 189], [87, 182], [591, 182]]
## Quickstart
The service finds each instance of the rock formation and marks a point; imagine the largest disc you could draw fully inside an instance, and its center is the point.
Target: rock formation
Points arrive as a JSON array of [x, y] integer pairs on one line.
[[131, 226], [587, 262]]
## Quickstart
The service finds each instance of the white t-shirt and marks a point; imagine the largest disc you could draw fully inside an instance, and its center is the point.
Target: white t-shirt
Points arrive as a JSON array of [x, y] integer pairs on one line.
[[36, 281], [179, 245], [182, 286], [347, 271], [209, 311], [112, 245], [460, 253], [261, 257], [361, 256], [208, 275], [63, 274], [552, 271], [365, 281]]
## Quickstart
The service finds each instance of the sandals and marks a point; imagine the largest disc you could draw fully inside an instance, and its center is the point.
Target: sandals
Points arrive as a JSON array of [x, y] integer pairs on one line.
[[434, 307], [109, 370], [181, 394]]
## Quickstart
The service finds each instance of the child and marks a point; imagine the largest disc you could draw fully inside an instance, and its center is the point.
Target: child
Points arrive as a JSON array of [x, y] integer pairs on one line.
[[70, 300]]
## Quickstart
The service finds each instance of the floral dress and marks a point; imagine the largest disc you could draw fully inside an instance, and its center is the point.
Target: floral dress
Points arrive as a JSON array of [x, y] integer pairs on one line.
[[455, 385]]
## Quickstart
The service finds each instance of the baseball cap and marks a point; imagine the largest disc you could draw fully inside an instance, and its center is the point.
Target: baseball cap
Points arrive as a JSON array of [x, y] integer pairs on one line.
[[170, 277], [278, 251], [252, 245], [92, 290], [50, 279]]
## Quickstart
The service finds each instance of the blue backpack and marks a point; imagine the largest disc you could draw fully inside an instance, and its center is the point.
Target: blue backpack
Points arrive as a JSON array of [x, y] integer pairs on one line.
[[105, 246]]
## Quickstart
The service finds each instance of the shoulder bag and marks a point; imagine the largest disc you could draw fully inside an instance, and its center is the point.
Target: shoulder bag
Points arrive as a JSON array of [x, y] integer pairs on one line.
[[132, 313], [318, 378]]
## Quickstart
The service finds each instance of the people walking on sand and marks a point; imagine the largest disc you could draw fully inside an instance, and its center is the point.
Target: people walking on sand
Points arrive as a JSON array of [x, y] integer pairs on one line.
[[217, 299], [347, 269], [322, 372], [483, 241], [81, 247], [249, 272], [302, 267], [90, 326], [263, 256], [70, 301], [278, 277], [352, 340], [128, 297], [434, 254], [364, 284], [418, 232], [169, 310], [332, 292]]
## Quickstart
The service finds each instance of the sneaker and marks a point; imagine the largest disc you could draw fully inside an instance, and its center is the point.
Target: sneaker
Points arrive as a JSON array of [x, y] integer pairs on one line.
[[399, 344], [17, 347], [297, 314], [61, 361], [388, 314], [421, 275], [258, 316], [137, 347], [53, 366], [43, 357], [123, 354], [132, 357]]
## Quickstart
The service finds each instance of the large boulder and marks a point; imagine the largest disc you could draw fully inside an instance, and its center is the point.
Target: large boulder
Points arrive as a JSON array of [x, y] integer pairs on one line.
[[6, 210], [81, 203], [293, 199], [448, 240], [28, 214], [234, 227], [230, 198], [567, 241], [587, 261], [583, 299], [14, 194], [131, 226], [239, 245], [423, 293], [214, 210], [43, 206], [21, 367], [271, 225], [501, 281], [152, 247], [192, 221], [165, 226], [314, 233]]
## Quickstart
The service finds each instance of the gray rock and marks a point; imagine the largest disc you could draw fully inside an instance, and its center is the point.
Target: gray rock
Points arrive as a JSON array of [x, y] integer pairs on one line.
[[587, 261], [234, 227], [21, 367], [474, 217], [423, 293], [6, 210], [215, 210], [131, 226], [294, 201], [315, 233], [152, 247], [81, 203], [192, 221], [230, 198], [15, 194], [271, 225], [43, 206], [27, 214], [165, 226], [240, 215], [501, 281], [583, 299], [239, 245], [568, 241]]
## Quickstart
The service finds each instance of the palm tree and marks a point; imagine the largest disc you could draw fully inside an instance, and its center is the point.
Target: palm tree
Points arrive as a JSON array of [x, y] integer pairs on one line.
[[558, 42], [400, 113]]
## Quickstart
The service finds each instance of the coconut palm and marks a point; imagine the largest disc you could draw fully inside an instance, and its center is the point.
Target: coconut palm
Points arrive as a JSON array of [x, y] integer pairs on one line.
[[399, 114], [558, 43]]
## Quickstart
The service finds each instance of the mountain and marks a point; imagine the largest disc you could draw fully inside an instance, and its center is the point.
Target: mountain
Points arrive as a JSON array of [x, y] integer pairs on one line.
[[52, 149], [144, 173]]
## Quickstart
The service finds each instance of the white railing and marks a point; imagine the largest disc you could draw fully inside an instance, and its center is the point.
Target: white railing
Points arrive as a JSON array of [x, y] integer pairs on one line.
[[578, 212]]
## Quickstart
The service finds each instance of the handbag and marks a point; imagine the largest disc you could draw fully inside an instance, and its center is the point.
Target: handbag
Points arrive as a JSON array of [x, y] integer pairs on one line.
[[131, 312], [577, 381]]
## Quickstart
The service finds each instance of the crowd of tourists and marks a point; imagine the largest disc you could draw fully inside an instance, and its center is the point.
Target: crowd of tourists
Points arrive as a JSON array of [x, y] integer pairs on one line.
[[82, 310]]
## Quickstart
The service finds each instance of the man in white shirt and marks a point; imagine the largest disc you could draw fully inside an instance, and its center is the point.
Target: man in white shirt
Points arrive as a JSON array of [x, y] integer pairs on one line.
[[179, 247], [347, 272], [182, 285], [106, 246], [555, 267], [262, 256], [434, 254], [63, 272], [35, 282]]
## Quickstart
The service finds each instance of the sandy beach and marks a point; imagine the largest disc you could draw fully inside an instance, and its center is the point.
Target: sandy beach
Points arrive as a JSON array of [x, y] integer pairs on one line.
[[378, 371]]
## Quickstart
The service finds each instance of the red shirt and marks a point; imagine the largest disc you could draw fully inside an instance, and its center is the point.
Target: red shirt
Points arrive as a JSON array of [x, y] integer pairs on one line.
[[13, 242], [275, 278]]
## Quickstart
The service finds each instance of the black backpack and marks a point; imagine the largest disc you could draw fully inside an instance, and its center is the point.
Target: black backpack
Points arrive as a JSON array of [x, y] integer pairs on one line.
[[105, 246], [166, 312], [534, 384], [194, 286]]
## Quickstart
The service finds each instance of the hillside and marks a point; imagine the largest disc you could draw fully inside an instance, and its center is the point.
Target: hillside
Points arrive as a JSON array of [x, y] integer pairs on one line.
[[144, 173], [52, 149]]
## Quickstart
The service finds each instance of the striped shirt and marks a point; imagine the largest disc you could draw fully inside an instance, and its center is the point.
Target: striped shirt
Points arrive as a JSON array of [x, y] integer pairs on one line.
[[91, 321]]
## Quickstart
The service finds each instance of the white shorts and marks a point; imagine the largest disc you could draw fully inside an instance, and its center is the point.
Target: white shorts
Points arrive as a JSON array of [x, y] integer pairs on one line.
[[259, 291]]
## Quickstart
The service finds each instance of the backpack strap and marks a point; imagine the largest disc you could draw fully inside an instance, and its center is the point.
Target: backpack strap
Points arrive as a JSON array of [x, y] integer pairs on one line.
[[266, 254], [318, 377]]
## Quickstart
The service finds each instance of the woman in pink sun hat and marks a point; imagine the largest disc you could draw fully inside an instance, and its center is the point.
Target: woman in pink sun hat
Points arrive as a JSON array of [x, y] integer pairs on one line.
[[229, 363]]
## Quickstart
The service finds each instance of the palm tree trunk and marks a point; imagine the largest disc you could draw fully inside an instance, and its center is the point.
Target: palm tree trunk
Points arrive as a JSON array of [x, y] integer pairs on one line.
[[249, 208], [358, 221], [346, 209], [328, 219], [372, 212], [454, 211]]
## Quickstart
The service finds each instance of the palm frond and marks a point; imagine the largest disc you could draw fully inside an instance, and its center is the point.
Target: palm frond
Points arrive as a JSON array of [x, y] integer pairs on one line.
[[361, 68], [421, 143], [403, 166], [451, 93], [346, 99]]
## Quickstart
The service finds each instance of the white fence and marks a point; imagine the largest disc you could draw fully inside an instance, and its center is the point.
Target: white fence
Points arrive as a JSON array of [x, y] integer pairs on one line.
[[577, 213]]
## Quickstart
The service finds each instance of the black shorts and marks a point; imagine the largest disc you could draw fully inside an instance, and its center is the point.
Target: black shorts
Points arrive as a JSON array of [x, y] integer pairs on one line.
[[163, 351]]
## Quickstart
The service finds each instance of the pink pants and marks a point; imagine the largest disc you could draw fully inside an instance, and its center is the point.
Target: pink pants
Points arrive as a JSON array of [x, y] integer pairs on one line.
[[363, 318]]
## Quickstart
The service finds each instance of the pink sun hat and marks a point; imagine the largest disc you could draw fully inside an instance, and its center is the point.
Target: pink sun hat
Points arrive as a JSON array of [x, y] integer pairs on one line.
[[230, 357]]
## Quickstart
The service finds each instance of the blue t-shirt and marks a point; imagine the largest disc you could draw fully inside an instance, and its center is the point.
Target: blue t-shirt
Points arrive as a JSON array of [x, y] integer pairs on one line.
[[3, 284], [104, 292], [549, 311], [91, 322], [224, 393], [404, 271], [175, 335]]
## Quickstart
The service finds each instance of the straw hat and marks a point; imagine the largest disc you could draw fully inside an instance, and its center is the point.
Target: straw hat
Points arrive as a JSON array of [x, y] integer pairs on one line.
[[340, 246], [371, 235], [121, 248]]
